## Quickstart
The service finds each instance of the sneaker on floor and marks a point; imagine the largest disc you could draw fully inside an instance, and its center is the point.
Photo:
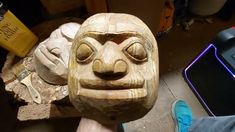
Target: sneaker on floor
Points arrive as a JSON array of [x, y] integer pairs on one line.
[[182, 115]]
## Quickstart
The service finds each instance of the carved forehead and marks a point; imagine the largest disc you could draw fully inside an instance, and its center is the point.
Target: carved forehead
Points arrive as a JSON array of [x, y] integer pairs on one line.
[[113, 23]]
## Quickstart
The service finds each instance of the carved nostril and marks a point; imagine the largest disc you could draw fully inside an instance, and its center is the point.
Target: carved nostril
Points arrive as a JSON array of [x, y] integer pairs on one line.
[[97, 66], [120, 67], [116, 69]]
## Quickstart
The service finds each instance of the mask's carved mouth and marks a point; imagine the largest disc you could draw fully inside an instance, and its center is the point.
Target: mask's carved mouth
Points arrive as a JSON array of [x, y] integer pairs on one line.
[[125, 94], [122, 89], [111, 85]]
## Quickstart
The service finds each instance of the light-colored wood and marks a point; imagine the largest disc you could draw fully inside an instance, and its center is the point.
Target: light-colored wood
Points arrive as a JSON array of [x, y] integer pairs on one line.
[[159, 118], [148, 11], [113, 68], [46, 111], [51, 56], [138, 8]]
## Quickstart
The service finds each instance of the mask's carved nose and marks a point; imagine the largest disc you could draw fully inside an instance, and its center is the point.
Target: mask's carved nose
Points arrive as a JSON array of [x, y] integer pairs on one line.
[[109, 64], [103, 70]]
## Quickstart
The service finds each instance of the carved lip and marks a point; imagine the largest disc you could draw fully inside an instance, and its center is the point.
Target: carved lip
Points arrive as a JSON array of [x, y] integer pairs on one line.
[[125, 94], [111, 85]]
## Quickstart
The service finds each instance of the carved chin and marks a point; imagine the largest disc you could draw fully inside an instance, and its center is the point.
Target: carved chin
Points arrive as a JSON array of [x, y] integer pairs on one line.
[[112, 101], [112, 106]]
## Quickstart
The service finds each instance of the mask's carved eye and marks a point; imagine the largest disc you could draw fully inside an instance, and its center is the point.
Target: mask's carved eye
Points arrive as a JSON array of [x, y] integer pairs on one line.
[[84, 53], [137, 52]]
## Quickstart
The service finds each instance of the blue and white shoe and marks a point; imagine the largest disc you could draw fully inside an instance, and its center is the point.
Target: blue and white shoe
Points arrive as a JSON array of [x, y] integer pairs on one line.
[[182, 115]]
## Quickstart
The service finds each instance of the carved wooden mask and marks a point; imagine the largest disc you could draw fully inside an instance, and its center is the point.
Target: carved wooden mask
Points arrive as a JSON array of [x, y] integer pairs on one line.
[[113, 68]]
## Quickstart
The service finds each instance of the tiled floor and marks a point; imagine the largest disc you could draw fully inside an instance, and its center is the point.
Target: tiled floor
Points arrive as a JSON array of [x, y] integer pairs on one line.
[[176, 50], [172, 86]]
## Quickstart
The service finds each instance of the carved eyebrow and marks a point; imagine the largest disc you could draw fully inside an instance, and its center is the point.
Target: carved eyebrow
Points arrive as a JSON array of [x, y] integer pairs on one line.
[[118, 38]]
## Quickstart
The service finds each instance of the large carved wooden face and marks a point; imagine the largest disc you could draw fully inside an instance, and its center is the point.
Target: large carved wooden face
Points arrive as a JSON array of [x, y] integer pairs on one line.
[[113, 68]]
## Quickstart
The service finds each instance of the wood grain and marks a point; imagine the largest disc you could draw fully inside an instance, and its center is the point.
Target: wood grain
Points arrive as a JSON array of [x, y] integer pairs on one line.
[[159, 118], [113, 68], [46, 111]]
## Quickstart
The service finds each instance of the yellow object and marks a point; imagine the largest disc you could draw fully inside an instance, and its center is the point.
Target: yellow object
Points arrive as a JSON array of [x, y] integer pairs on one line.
[[15, 36]]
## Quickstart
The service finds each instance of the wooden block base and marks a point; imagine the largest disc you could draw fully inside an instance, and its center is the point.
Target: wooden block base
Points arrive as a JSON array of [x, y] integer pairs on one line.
[[46, 111]]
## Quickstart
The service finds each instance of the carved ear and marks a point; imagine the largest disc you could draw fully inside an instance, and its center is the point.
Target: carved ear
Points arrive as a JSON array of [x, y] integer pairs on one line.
[[69, 30]]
